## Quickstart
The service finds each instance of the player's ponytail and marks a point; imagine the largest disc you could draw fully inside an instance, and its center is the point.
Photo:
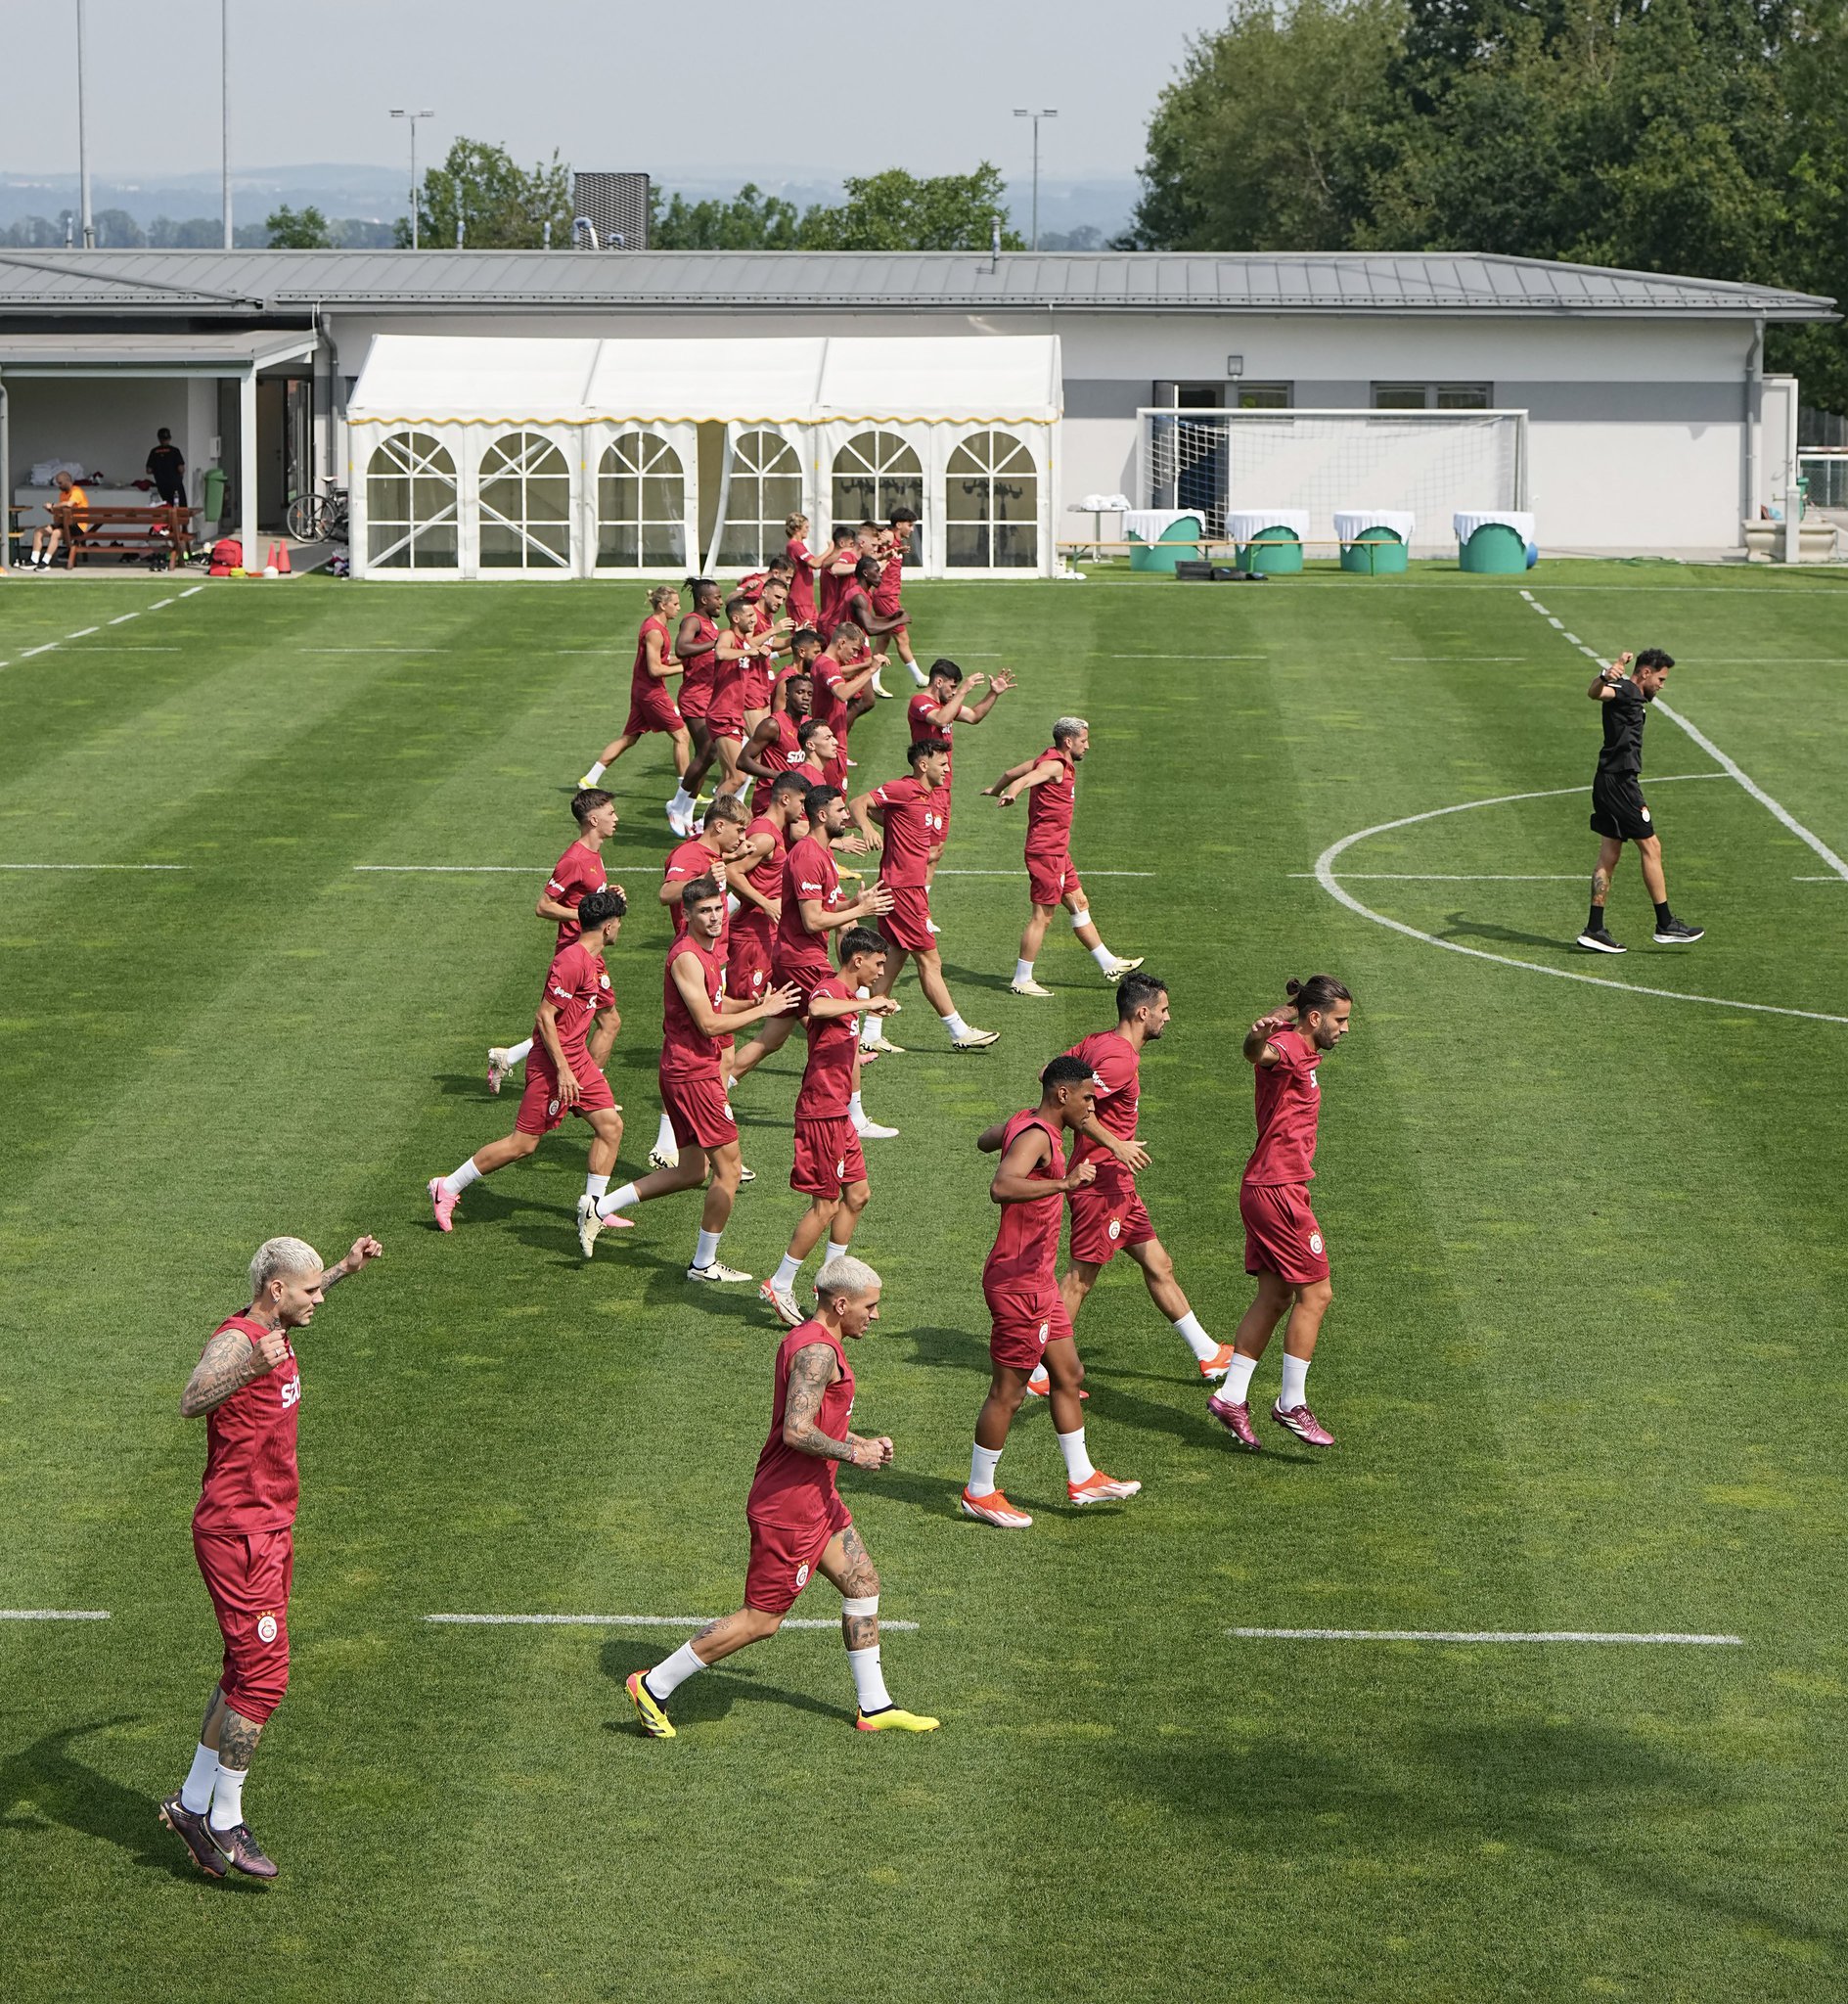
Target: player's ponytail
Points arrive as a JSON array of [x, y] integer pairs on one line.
[[660, 594], [1319, 991]]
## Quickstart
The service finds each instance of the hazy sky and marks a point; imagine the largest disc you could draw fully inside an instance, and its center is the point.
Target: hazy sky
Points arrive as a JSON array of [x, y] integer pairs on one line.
[[678, 90]]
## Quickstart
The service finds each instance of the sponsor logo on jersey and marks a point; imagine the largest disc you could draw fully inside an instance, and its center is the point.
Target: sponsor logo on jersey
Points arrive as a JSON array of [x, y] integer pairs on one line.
[[266, 1627], [292, 1392]]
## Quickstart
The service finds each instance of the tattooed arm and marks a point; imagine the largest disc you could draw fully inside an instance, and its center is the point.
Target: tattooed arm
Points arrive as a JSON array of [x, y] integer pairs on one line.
[[365, 1249], [231, 1362], [812, 1370]]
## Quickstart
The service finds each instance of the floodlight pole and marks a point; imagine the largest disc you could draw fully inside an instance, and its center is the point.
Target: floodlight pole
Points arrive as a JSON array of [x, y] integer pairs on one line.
[[1036, 116], [411, 118], [84, 145], [224, 110]]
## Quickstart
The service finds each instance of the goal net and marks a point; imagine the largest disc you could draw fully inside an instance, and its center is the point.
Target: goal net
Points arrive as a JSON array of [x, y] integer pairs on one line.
[[1430, 463]]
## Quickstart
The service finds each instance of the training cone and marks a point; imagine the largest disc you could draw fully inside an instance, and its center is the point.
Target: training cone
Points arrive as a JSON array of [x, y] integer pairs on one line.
[[282, 560]]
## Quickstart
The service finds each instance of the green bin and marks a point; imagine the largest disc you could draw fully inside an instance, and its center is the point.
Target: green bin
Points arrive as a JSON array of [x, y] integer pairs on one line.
[[212, 505], [1178, 540], [1277, 552], [1495, 549], [1374, 553]]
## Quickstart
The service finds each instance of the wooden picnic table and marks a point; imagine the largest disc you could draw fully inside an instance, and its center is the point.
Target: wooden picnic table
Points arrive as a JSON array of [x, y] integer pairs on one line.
[[128, 533]]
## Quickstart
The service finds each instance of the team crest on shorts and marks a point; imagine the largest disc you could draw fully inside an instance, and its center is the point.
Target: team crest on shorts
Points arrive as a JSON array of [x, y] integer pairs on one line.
[[552, 1107], [266, 1629], [1045, 1326], [1116, 1228], [840, 1168], [1646, 813], [802, 1578], [1315, 1242]]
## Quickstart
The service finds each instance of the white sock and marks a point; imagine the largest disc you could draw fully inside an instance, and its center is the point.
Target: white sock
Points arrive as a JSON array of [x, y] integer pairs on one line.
[[196, 1788], [666, 1678], [1236, 1384], [227, 1797], [786, 1276], [869, 1033], [462, 1177], [665, 1141], [682, 802], [1103, 957], [868, 1679], [621, 1200], [705, 1249], [516, 1053], [954, 1025], [599, 1186], [981, 1470], [1295, 1390], [918, 675], [1023, 970], [1189, 1330], [856, 1112], [593, 772], [1078, 1467]]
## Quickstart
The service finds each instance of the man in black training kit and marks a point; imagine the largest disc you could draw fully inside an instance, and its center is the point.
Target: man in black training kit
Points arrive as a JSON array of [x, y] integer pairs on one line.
[[1619, 813]]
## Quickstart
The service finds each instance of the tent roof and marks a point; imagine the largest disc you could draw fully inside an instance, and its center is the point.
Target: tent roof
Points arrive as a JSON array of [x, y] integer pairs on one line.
[[996, 379]]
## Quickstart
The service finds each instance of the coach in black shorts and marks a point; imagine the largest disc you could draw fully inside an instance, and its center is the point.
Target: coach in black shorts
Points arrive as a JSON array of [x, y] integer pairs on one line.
[[166, 469], [1619, 812]]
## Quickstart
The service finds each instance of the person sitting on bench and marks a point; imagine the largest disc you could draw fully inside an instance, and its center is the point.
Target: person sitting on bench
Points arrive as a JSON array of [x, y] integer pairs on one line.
[[68, 522]]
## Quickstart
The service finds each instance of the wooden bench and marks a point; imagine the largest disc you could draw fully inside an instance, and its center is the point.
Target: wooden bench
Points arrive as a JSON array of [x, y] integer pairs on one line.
[[130, 534]]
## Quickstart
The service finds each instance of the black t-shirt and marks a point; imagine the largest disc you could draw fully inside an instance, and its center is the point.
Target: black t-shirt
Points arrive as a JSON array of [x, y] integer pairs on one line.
[[1625, 711], [165, 463]]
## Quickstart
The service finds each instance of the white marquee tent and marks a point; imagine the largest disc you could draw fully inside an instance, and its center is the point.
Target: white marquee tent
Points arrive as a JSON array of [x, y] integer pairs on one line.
[[503, 455]]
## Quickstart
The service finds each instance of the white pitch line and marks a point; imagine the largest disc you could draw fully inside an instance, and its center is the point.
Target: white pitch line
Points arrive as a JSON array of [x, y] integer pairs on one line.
[[1479, 1636], [83, 633], [1326, 876], [53, 1615], [442, 869], [95, 866], [1457, 660], [1443, 877], [1021, 873], [1166, 657], [1816, 880], [620, 1622], [190, 590], [159, 602], [122, 619]]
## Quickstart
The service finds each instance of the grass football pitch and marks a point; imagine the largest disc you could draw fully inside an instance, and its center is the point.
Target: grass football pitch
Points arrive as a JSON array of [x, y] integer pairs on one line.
[[1584, 1363]]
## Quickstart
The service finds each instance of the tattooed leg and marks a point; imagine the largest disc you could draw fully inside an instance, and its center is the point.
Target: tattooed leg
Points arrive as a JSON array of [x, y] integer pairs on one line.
[[214, 1718], [237, 1739], [848, 1565], [732, 1632]]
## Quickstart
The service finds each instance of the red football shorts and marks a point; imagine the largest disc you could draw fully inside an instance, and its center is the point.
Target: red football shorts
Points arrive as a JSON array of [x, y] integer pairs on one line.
[[651, 710], [799, 974], [828, 1157], [1051, 880], [908, 924], [697, 1110], [747, 968], [1024, 1321], [540, 1107], [1107, 1217], [1280, 1233], [756, 686], [247, 1577], [696, 699], [784, 1557], [726, 723]]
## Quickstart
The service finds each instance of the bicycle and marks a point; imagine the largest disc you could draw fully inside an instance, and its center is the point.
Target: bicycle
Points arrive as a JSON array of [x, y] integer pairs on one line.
[[317, 517]]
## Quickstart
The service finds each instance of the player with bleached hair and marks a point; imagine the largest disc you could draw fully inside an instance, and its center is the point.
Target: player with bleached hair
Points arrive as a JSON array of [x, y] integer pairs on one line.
[[246, 1386], [799, 1525]]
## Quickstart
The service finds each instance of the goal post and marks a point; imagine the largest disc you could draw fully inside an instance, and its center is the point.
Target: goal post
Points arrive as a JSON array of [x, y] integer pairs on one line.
[[1428, 463]]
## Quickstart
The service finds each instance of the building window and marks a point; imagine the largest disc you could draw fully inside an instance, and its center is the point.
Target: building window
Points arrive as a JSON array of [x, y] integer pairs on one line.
[[640, 505], [525, 505], [766, 487], [410, 505], [1433, 396], [992, 517], [1262, 397], [874, 472]]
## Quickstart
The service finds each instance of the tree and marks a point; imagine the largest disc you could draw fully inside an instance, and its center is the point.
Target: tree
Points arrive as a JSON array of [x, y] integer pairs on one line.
[[898, 212], [306, 231], [750, 222], [500, 207]]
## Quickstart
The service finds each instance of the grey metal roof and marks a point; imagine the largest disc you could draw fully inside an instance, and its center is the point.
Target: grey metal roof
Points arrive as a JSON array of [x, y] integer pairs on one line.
[[195, 281], [79, 354]]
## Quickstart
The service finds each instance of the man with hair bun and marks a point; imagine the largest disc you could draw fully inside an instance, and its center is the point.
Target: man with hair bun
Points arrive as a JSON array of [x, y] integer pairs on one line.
[[246, 1386], [1282, 1242], [799, 1525]]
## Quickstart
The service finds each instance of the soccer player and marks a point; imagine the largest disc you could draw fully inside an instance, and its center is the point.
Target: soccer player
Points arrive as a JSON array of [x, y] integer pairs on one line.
[[774, 633], [774, 745], [908, 814], [799, 1525], [1619, 813], [1282, 1242], [1051, 781], [842, 674], [1030, 1322], [811, 909], [935, 711], [697, 647], [894, 548], [575, 876], [833, 577], [804, 564], [1108, 1216], [738, 650], [754, 873], [829, 1169], [566, 1073], [248, 1387], [695, 1019], [651, 705]]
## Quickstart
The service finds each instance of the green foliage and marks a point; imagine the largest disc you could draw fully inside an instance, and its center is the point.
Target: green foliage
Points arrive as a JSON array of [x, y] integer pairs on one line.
[[308, 230], [1695, 136], [502, 207], [894, 210], [751, 221]]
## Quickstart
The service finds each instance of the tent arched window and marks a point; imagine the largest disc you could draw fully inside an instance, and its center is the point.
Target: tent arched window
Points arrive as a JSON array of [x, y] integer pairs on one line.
[[992, 505], [411, 504], [640, 505], [766, 486], [876, 472], [525, 505]]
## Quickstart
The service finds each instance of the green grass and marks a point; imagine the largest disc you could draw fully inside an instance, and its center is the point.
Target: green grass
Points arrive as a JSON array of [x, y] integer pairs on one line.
[[1584, 1361]]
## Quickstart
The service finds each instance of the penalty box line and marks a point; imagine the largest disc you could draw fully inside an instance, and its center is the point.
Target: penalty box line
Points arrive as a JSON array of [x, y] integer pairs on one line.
[[54, 1614], [622, 1621], [1590, 1635]]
